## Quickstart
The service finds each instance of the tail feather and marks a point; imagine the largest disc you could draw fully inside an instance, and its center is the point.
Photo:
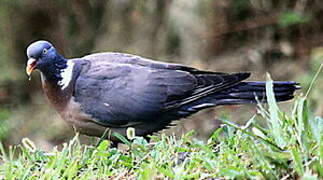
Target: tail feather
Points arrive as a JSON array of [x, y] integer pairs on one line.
[[241, 93], [250, 92], [261, 86], [244, 93], [253, 95]]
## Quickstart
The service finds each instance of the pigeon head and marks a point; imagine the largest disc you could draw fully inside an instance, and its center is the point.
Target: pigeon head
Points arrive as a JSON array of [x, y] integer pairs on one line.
[[43, 56]]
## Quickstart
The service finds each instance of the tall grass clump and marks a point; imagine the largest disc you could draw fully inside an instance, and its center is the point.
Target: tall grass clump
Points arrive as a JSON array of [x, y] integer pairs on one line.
[[271, 145]]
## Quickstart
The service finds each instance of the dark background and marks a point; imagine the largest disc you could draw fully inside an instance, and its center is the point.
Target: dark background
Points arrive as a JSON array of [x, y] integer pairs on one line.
[[284, 38]]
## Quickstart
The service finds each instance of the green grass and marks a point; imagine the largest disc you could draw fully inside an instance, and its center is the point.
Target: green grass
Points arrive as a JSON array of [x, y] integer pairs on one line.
[[272, 145]]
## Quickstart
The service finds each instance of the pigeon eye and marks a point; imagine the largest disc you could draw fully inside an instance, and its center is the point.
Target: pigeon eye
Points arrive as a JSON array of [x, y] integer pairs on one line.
[[45, 51]]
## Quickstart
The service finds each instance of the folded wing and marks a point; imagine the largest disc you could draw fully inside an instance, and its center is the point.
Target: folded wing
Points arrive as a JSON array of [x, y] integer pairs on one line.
[[123, 90]]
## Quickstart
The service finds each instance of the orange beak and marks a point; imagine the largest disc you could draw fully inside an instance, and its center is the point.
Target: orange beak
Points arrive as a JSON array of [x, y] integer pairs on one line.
[[31, 65]]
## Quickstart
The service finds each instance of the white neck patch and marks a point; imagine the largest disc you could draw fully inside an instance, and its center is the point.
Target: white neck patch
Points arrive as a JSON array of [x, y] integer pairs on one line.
[[66, 75]]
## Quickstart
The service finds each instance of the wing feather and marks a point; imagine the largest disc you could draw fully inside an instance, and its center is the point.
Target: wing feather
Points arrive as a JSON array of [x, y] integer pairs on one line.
[[119, 89]]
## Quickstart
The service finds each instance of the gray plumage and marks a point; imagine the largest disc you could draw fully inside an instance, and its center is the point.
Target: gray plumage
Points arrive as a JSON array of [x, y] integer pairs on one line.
[[115, 90]]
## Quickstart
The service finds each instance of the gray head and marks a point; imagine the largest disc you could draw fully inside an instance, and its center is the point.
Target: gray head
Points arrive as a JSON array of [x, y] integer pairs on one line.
[[43, 56], [38, 49]]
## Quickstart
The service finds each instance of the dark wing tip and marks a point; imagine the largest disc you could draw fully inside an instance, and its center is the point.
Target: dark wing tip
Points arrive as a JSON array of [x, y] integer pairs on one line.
[[243, 75]]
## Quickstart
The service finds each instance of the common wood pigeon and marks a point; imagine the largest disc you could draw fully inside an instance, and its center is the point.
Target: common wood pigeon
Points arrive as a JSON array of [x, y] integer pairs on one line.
[[115, 91]]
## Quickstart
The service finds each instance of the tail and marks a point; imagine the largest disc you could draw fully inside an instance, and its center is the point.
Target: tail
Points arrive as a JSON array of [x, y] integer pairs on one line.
[[241, 93], [251, 92]]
